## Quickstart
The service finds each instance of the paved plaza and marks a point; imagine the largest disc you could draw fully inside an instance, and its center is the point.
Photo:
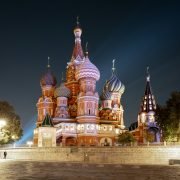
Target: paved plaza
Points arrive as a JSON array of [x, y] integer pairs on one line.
[[22, 170]]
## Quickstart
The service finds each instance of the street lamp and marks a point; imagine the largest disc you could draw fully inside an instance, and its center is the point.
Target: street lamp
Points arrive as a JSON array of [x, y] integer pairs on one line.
[[2, 123], [29, 143]]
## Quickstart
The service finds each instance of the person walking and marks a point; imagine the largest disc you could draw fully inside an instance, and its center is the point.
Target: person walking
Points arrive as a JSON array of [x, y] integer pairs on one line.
[[5, 154]]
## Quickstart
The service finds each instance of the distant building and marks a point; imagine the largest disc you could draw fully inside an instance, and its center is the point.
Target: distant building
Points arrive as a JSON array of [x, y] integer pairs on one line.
[[146, 129], [74, 105]]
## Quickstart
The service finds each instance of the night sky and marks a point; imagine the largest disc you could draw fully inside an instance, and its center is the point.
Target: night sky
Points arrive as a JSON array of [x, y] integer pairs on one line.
[[136, 33]]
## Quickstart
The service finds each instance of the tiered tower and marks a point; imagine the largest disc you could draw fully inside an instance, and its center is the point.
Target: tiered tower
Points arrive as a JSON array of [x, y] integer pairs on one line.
[[148, 105], [146, 129], [46, 103], [62, 93], [87, 113], [146, 118], [76, 59]]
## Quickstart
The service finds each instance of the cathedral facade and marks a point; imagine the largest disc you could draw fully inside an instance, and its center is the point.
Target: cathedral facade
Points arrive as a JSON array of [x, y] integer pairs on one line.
[[74, 109]]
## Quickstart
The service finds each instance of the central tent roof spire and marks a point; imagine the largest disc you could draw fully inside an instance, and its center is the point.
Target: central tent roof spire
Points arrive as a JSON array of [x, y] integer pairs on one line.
[[77, 20], [77, 51]]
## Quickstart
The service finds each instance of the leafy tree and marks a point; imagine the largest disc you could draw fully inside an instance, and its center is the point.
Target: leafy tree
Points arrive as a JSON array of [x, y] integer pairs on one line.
[[168, 118], [12, 131], [126, 138], [149, 136]]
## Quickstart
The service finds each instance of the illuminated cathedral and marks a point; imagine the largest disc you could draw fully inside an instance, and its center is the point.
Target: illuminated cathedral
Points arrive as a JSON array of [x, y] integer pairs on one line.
[[74, 113]]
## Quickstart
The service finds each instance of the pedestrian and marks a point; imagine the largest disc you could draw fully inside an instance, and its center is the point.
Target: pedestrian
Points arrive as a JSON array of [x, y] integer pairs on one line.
[[5, 154]]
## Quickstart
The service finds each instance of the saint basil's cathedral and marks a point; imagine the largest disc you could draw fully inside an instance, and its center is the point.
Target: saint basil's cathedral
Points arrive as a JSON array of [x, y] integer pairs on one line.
[[75, 114]]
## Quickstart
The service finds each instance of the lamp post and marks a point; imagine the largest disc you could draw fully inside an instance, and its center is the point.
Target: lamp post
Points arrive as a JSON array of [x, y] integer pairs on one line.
[[29, 143], [2, 123]]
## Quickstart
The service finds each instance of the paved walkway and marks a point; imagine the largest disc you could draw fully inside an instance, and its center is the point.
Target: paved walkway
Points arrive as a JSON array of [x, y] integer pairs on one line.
[[25, 170]]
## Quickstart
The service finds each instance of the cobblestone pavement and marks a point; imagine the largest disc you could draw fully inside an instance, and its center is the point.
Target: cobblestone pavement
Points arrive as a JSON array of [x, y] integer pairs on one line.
[[22, 170]]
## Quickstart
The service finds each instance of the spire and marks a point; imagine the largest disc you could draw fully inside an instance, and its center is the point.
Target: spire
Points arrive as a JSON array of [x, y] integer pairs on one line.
[[148, 86], [113, 67], [48, 65], [77, 21], [86, 49], [148, 102], [77, 51], [148, 74], [62, 77]]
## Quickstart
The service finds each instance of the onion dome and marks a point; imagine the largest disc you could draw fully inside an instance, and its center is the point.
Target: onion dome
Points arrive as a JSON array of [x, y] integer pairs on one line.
[[62, 91], [114, 84], [87, 70], [106, 95], [48, 79]]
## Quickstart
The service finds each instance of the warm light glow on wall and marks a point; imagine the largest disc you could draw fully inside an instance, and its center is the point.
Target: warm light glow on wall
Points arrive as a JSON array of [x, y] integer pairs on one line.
[[143, 117]]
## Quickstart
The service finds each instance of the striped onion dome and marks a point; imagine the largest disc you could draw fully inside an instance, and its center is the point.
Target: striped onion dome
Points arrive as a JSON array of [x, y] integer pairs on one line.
[[115, 85], [106, 95], [62, 91], [87, 70]]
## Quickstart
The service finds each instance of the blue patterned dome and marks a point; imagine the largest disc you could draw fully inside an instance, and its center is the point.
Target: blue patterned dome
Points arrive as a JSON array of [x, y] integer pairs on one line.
[[62, 91], [48, 79], [106, 95], [115, 85]]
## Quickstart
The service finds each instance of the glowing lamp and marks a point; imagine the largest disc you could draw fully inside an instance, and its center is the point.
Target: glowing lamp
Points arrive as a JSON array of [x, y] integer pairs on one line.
[[2, 123], [29, 143]]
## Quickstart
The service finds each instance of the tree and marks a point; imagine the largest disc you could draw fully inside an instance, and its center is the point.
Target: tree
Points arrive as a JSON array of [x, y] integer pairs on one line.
[[168, 118], [149, 136], [12, 131], [126, 138]]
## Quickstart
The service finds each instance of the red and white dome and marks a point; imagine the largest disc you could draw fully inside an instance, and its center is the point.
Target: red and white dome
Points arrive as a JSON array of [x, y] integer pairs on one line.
[[87, 70]]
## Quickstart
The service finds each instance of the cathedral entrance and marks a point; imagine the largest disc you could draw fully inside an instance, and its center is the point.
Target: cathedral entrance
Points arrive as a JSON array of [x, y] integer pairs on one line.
[[71, 141]]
